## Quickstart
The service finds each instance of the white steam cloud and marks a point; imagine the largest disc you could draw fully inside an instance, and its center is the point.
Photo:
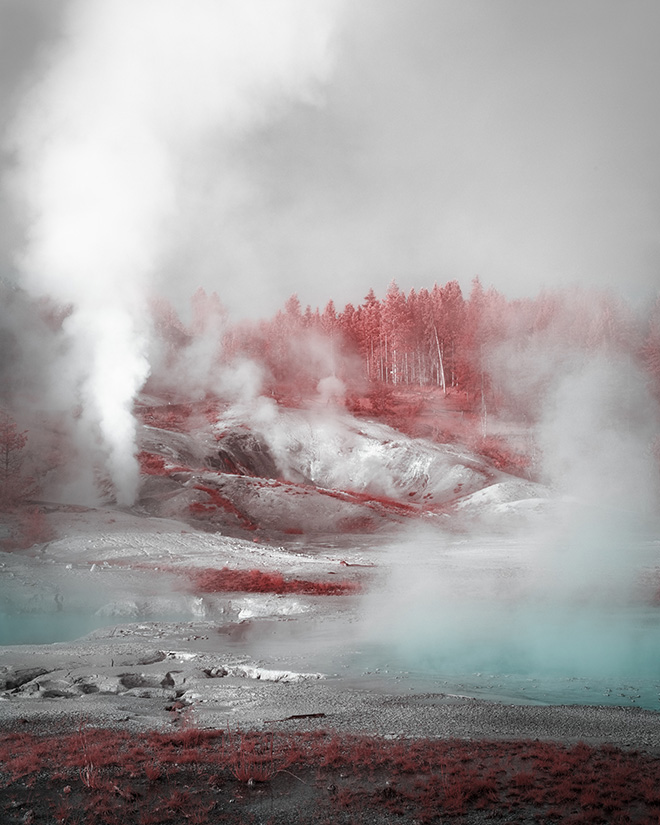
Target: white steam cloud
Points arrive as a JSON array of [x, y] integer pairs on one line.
[[597, 432], [568, 595], [105, 142]]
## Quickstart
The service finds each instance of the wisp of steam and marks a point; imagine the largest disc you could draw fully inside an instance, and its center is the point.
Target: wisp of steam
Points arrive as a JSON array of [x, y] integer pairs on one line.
[[106, 142]]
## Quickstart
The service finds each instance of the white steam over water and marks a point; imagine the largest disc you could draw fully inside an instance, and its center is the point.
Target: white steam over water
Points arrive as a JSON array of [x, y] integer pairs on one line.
[[570, 596], [106, 145]]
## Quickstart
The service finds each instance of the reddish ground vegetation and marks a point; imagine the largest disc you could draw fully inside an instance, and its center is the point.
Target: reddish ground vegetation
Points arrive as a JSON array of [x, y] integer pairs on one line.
[[167, 417], [292, 393], [152, 464], [94, 775], [445, 417], [502, 456], [34, 528], [216, 501], [179, 417], [378, 503], [427, 412], [257, 581], [29, 526], [388, 503], [402, 408]]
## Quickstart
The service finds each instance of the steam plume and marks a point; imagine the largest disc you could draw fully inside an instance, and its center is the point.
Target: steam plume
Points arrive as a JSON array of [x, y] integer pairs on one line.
[[105, 140], [567, 602]]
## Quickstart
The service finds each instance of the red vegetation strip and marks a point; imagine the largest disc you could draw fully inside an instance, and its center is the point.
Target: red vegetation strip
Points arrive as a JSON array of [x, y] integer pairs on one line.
[[114, 776], [152, 464], [257, 581], [219, 502], [502, 456], [179, 417], [174, 417], [372, 500]]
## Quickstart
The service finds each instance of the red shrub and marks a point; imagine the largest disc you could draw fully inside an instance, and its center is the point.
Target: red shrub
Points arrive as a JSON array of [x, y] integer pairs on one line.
[[455, 797], [252, 757], [372, 500], [15, 486], [524, 779], [589, 798]]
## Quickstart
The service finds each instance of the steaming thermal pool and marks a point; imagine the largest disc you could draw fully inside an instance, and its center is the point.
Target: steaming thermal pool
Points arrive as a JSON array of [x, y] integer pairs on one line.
[[517, 621], [42, 602], [487, 616]]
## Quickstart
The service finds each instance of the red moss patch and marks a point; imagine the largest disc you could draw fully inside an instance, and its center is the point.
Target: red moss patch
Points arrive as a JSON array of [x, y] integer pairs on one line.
[[152, 464], [258, 581], [174, 417], [96, 776], [374, 501], [502, 456], [180, 417], [216, 501]]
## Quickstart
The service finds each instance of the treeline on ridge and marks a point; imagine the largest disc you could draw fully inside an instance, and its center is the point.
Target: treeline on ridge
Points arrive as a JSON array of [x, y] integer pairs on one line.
[[495, 353]]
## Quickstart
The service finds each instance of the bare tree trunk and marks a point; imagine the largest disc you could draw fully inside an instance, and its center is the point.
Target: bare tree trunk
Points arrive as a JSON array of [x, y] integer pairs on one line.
[[442, 368], [484, 411]]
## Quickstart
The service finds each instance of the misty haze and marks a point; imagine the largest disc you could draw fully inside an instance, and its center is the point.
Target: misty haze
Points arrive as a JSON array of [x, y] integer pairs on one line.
[[329, 411]]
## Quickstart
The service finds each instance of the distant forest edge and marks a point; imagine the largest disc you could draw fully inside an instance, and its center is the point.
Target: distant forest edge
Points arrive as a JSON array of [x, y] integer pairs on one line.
[[434, 363], [494, 354]]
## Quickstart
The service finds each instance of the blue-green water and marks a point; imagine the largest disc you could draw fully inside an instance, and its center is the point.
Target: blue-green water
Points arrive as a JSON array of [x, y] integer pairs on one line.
[[515, 688], [46, 628], [552, 653]]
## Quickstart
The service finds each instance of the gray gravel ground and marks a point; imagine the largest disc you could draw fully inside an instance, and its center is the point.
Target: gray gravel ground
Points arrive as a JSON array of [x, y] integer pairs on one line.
[[136, 686]]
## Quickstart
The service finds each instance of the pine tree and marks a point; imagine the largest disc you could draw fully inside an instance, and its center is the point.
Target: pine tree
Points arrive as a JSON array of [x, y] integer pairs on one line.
[[14, 486], [651, 348]]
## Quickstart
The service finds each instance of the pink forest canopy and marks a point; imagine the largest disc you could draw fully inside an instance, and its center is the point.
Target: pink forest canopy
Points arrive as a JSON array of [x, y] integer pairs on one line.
[[465, 345]]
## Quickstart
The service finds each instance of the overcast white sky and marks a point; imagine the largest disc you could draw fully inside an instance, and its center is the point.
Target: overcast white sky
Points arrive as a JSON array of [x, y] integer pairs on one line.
[[513, 139]]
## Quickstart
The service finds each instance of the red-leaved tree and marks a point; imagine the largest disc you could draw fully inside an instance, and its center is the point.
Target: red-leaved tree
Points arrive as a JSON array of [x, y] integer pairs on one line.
[[15, 486], [651, 349]]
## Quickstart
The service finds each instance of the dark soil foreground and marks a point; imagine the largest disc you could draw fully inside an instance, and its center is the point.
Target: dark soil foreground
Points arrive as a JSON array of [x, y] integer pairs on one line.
[[88, 775]]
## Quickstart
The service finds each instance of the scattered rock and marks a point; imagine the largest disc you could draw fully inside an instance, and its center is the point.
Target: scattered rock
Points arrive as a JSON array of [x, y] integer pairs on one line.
[[153, 693], [12, 678], [139, 680], [249, 672]]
